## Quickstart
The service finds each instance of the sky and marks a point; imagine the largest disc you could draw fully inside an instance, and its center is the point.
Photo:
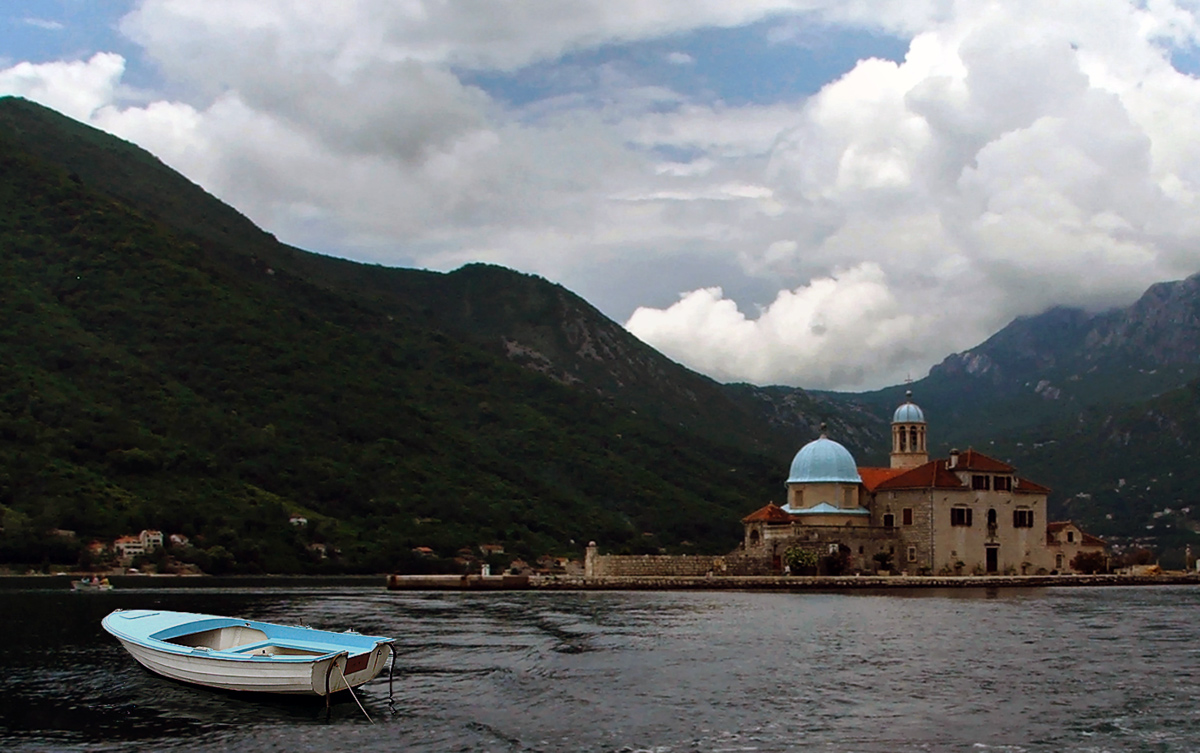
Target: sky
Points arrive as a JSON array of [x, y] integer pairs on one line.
[[829, 194]]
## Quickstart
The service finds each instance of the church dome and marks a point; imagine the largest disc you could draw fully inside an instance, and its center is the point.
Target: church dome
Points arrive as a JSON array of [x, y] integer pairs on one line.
[[908, 413], [824, 461]]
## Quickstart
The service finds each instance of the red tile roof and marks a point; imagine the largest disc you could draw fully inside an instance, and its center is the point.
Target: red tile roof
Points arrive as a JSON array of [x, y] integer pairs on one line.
[[1025, 486], [933, 474], [873, 477], [977, 461], [771, 513]]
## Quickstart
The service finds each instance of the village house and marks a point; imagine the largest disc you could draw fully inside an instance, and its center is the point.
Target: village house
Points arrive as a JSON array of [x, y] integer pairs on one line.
[[128, 547], [151, 540], [964, 514]]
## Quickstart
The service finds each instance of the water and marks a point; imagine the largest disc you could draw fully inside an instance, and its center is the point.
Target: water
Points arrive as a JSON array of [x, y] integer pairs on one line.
[[1105, 669]]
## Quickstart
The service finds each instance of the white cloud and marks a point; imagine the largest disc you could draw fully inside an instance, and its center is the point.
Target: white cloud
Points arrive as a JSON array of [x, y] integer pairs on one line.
[[833, 330], [75, 88], [42, 23], [1023, 154]]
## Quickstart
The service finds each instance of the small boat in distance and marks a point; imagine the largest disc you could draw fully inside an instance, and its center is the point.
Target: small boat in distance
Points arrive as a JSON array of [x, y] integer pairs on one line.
[[91, 584], [244, 655]]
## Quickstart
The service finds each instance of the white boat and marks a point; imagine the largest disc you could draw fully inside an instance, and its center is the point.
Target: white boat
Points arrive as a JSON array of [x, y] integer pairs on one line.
[[232, 654], [89, 584]]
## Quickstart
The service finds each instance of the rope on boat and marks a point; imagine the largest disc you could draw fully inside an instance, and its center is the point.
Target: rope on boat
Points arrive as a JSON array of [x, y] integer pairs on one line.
[[391, 674], [352, 695]]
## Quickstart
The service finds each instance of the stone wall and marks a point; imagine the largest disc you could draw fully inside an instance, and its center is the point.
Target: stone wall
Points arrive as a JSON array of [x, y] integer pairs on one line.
[[598, 565]]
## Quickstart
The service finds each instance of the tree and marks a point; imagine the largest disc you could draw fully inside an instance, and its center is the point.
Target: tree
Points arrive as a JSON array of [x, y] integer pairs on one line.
[[1090, 562], [883, 560], [801, 559]]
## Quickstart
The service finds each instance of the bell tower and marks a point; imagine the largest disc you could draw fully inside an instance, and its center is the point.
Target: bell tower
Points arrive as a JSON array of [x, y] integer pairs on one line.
[[908, 435]]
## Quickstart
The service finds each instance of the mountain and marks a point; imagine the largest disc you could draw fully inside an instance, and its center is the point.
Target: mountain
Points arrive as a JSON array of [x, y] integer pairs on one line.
[[165, 364], [1055, 366], [1102, 407]]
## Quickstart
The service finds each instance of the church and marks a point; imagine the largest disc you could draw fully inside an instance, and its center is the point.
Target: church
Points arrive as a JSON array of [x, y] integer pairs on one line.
[[961, 515]]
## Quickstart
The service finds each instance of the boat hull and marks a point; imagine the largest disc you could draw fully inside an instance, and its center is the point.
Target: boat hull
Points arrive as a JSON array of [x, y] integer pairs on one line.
[[320, 677], [288, 673]]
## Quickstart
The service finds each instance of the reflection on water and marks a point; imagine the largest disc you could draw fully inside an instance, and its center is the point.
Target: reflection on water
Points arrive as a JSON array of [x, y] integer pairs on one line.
[[1027, 670]]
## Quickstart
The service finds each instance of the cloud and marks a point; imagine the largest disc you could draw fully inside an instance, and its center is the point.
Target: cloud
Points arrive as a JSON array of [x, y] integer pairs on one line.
[[41, 23], [1022, 154], [833, 330], [75, 88]]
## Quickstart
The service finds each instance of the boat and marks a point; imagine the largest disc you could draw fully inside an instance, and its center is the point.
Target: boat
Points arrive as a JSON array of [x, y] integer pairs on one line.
[[228, 653], [91, 584]]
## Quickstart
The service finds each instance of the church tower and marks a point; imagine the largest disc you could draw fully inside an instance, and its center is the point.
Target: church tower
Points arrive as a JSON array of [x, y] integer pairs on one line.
[[908, 436]]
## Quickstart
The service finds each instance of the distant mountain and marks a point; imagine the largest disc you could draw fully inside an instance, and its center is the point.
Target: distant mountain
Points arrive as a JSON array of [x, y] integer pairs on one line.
[[1101, 407], [1055, 365]]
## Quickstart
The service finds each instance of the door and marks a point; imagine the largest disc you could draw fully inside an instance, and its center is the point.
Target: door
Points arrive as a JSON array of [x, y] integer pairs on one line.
[[993, 559]]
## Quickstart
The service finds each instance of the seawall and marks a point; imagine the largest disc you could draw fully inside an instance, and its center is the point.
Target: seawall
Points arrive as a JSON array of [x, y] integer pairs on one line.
[[769, 582]]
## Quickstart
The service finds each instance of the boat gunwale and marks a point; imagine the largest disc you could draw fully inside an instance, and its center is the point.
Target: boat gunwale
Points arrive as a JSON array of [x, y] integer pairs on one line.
[[155, 642]]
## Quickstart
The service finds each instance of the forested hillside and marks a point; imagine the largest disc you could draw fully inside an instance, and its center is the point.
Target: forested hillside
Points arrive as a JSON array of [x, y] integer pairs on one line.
[[156, 376]]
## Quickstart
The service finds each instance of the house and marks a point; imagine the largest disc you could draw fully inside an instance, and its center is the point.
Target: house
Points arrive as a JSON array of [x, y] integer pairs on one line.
[[178, 539], [1066, 540], [151, 540], [967, 513], [298, 520], [128, 547]]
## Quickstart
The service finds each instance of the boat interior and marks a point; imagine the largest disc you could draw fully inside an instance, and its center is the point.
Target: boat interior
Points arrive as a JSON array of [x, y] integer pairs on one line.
[[241, 639]]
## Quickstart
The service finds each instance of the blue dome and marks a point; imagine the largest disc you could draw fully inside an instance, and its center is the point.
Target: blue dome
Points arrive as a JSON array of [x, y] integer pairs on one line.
[[908, 413], [824, 461]]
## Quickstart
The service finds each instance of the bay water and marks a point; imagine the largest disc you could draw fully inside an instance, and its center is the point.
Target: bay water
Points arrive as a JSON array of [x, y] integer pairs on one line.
[[1054, 669]]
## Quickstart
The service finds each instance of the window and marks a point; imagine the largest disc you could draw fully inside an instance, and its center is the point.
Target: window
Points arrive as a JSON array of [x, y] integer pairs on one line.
[[992, 518], [1070, 537], [980, 483], [889, 521], [860, 549], [1002, 483], [1022, 518], [912, 554], [960, 516], [906, 516]]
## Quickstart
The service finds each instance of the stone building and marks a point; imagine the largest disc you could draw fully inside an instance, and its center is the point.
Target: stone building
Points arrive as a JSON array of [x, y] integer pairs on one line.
[[964, 514]]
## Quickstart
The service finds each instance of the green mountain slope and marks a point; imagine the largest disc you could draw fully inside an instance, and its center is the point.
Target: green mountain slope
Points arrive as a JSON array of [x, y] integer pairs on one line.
[[1126, 471], [156, 374]]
